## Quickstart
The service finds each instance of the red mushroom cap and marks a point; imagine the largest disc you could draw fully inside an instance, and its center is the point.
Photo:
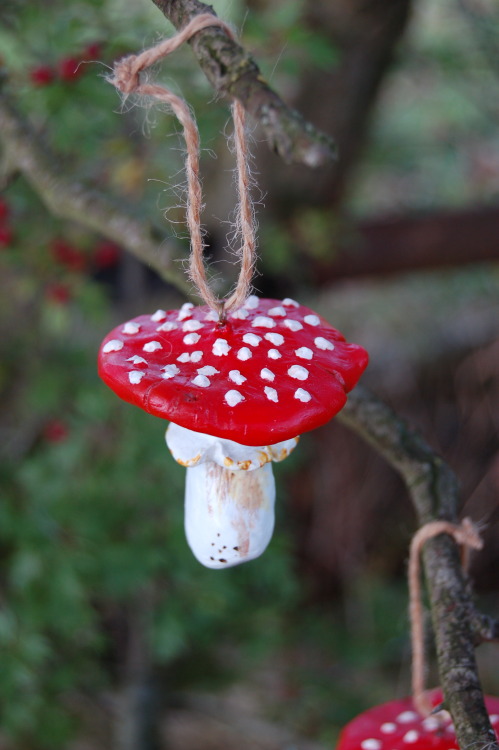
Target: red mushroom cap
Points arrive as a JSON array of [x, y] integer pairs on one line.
[[397, 725], [273, 370]]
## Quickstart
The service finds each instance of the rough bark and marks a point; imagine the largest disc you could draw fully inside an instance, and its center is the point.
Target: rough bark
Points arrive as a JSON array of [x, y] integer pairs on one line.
[[233, 73], [435, 494]]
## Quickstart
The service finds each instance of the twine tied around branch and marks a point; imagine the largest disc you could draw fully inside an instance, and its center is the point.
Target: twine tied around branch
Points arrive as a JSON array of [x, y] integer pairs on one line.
[[467, 536], [127, 79]]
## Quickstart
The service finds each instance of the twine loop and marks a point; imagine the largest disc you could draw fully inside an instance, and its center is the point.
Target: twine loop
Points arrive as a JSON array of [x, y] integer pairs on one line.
[[467, 536], [126, 78]]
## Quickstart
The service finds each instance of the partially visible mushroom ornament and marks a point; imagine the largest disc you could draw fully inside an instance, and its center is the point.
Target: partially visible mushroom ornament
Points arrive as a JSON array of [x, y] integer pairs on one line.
[[420, 722], [398, 725], [238, 394]]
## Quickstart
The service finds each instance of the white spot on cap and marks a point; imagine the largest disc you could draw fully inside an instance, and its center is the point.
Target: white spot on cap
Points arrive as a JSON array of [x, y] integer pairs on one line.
[[158, 316], [304, 352], [137, 360], [312, 320], [406, 717], [388, 727], [274, 354], [494, 718], [152, 346], [236, 377], [240, 314], [170, 371], [271, 394], [211, 315], [324, 344], [201, 380], [274, 338], [293, 325], [290, 302], [298, 372], [168, 326], [252, 302], [411, 736], [252, 339], [278, 312], [267, 374], [185, 311], [208, 370], [192, 325], [191, 338], [221, 348], [371, 744], [451, 729], [244, 353], [135, 376], [112, 346], [263, 322], [131, 328], [196, 356], [431, 723], [233, 397], [302, 395]]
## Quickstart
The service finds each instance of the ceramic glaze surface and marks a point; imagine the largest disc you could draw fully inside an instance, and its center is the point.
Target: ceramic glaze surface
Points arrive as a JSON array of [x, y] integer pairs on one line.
[[397, 725], [273, 370]]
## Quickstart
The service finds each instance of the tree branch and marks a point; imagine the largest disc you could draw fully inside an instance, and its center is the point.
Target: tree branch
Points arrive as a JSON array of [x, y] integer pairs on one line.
[[233, 73], [434, 491], [68, 198]]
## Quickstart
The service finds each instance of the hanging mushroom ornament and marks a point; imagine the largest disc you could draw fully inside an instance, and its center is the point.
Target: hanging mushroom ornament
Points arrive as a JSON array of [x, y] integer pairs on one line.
[[239, 379], [238, 395], [397, 725], [418, 722]]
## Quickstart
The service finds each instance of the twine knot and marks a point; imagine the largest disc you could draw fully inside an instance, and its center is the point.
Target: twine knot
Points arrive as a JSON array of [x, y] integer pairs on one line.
[[126, 76], [467, 535]]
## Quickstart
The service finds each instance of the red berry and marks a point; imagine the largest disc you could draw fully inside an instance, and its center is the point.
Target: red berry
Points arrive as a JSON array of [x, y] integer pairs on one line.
[[6, 236], [42, 75], [68, 256], [58, 293], [4, 210], [92, 51], [106, 255], [70, 68], [55, 431]]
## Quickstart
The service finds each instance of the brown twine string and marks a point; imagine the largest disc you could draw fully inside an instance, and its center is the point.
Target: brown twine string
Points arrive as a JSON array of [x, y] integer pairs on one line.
[[467, 536], [127, 79]]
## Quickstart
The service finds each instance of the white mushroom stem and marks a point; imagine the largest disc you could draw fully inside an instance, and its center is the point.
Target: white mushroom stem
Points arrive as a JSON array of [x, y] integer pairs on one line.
[[229, 495], [229, 515]]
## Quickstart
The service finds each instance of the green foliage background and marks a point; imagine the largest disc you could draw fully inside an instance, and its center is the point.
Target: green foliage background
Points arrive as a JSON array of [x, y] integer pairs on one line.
[[91, 523]]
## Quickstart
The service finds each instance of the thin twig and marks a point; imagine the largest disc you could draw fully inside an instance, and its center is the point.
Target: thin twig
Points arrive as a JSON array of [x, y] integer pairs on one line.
[[434, 492], [234, 74]]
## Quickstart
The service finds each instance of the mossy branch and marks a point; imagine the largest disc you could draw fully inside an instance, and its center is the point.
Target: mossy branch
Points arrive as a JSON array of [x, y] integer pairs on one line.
[[457, 626], [233, 73]]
